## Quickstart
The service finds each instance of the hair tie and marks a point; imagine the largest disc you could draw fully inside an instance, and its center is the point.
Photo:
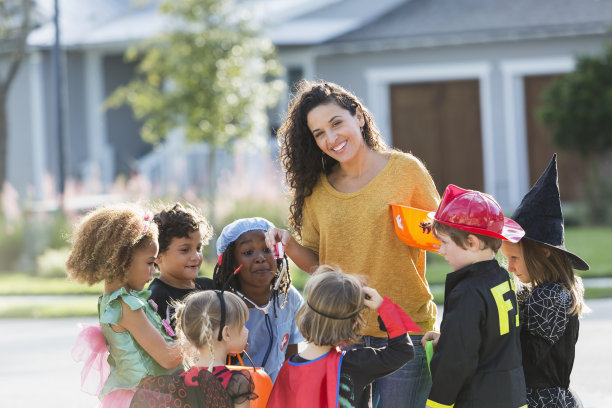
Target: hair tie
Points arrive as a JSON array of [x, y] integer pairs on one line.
[[333, 317], [148, 218], [222, 323]]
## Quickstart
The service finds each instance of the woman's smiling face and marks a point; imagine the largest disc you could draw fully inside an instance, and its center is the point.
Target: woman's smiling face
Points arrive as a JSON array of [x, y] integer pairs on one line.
[[258, 263], [336, 131]]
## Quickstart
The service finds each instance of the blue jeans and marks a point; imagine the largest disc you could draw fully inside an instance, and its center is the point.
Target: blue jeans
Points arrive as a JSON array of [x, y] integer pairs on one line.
[[409, 386]]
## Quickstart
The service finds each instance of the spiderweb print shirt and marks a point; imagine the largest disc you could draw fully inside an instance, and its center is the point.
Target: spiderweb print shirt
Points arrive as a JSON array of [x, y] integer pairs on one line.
[[545, 313]]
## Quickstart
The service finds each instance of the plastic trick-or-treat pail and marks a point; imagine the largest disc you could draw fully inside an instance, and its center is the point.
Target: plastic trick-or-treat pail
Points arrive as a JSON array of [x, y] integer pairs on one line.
[[413, 227]]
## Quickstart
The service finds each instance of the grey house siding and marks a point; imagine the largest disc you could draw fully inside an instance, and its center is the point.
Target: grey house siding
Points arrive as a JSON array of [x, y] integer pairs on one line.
[[122, 128], [75, 129], [19, 143]]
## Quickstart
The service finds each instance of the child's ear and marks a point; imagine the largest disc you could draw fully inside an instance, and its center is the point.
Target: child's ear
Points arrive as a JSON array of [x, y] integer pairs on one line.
[[226, 333], [546, 252], [473, 243]]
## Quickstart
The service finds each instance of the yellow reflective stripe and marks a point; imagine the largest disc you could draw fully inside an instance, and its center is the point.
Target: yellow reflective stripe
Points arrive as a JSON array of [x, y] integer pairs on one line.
[[523, 406], [503, 306], [434, 404]]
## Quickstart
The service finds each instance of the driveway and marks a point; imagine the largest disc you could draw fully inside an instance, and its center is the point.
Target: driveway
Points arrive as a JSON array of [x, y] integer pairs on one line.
[[36, 369]]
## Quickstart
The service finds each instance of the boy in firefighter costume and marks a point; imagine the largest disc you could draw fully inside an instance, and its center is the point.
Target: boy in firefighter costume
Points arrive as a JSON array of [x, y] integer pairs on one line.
[[477, 361]]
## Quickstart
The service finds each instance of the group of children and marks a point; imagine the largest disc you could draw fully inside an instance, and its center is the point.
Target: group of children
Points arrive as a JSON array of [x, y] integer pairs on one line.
[[496, 347]]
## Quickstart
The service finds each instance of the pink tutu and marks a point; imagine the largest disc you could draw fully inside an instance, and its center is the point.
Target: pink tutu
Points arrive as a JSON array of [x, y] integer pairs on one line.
[[90, 347], [117, 399]]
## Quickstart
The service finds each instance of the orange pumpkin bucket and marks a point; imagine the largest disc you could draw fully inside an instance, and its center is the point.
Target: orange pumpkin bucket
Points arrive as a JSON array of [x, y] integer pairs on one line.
[[407, 222], [261, 379]]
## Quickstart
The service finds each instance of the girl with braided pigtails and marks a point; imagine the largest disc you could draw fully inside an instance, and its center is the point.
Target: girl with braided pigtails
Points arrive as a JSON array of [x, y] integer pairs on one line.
[[210, 326], [248, 268]]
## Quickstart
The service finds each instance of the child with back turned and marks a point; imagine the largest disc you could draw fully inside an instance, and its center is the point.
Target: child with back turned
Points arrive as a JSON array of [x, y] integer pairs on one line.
[[477, 361], [323, 375], [117, 244], [183, 231], [550, 295]]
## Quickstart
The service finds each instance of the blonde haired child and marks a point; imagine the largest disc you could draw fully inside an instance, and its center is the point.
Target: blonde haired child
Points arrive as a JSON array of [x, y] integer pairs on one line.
[[322, 375], [117, 244], [550, 294], [209, 326]]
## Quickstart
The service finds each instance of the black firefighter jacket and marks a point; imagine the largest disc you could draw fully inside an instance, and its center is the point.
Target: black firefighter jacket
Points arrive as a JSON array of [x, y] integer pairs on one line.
[[477, 362]]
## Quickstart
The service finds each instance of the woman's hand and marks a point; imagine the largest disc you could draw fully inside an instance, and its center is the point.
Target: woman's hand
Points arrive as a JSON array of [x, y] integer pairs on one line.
[[303, 257], [274, 235], [432, 335], [372, 299]]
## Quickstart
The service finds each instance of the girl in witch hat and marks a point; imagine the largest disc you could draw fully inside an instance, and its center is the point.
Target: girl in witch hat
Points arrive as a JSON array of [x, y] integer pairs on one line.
[[550, 295]]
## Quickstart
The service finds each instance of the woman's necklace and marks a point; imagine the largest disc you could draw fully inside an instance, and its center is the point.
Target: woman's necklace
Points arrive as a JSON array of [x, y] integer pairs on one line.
[[263, 308]]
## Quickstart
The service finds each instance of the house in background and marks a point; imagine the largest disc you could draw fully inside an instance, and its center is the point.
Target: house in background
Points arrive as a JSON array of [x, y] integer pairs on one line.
[[456, 83]]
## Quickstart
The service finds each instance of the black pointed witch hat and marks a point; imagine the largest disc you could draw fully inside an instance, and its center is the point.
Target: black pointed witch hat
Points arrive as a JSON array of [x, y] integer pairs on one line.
[[541, 217]]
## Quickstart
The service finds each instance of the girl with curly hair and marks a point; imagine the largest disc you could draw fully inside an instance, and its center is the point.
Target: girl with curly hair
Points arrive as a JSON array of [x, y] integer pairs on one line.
[[117, 244], [343, 178]]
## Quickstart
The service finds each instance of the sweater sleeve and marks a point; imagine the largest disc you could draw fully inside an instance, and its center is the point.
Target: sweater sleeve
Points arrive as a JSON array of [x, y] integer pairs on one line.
[[425, 195], [456, 358]]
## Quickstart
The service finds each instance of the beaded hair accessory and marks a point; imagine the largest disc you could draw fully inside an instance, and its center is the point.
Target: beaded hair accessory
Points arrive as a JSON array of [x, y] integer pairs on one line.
[[148, 218]]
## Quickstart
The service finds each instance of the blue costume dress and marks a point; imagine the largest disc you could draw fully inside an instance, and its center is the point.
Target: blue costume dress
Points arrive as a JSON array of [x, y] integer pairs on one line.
[[270, 333]]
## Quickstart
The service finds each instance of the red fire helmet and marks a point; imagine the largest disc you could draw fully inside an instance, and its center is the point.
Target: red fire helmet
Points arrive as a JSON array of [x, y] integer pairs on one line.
[[476, 212]]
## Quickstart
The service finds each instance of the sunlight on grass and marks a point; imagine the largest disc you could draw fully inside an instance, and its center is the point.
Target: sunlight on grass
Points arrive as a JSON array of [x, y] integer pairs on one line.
[[48, 306]]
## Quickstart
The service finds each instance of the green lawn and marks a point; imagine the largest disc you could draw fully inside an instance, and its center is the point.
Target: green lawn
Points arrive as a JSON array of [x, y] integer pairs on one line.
[[592, 244]]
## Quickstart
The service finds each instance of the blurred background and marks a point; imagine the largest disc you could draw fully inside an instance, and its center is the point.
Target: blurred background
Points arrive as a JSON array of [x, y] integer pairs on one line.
[[179, 100], [153, 101]]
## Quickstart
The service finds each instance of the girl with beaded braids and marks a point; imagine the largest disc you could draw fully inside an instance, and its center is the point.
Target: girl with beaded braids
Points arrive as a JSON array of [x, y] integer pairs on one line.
[[248, 268], [343, 179], [117, 244]]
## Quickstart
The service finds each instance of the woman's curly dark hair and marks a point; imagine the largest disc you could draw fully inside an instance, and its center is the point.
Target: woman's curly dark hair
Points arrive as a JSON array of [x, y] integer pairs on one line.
[[300, 156], [224, 270]]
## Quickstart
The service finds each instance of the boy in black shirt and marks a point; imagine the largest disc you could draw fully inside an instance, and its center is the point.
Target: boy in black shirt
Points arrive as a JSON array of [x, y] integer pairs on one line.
[[182, 233], [477, 362]]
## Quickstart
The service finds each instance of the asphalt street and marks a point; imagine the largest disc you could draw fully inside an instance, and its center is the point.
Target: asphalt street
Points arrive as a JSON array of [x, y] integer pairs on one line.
[[36, 369]]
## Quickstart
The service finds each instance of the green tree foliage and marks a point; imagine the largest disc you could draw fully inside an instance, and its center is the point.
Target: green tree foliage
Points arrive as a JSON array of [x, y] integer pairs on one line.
[[210, 76], [578, 109], [578, 106]]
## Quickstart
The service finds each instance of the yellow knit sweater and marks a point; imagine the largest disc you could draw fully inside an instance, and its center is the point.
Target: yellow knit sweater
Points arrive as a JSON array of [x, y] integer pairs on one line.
[[355, 231]]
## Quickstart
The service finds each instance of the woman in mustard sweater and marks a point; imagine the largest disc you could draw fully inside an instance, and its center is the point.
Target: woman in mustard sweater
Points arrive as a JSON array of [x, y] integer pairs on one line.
[[343, 178]]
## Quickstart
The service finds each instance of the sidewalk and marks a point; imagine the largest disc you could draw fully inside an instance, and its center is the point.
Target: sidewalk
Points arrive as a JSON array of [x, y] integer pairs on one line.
[[36, 368]]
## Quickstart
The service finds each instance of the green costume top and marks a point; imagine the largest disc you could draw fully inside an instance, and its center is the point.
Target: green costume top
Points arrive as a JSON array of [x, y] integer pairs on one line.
[[129, 362]]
